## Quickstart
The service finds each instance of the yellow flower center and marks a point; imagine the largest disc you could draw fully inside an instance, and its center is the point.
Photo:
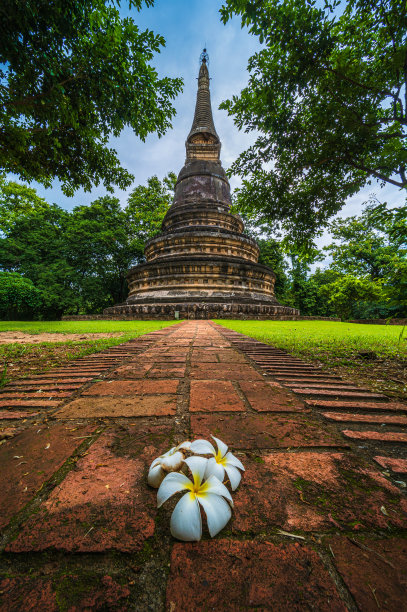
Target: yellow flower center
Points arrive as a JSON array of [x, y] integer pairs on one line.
[[219, 458], [197, 488]]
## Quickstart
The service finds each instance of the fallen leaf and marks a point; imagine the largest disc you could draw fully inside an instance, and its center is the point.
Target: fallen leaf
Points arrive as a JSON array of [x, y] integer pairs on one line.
[[48, 445]]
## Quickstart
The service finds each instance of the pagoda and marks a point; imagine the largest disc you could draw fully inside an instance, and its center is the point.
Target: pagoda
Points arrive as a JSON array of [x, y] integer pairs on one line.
[[201, 265]]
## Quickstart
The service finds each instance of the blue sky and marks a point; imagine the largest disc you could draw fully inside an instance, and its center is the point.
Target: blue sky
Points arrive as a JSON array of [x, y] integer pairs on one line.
[[188, 26]]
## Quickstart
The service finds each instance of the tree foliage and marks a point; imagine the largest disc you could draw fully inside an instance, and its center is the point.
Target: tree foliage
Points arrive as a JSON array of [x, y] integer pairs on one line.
[[78, 260], [19, 298], [72, 74], [327, 94]]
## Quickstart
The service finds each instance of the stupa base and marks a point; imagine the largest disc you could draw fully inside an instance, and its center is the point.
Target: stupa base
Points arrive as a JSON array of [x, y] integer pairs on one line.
[[201, 310]]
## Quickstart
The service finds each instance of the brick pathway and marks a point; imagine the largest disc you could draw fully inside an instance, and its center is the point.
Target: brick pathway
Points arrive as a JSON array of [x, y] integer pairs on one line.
[[320, 518]]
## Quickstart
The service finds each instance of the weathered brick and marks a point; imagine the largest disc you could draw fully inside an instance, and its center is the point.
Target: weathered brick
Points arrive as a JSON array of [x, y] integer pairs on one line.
[[357, 405], [378, 436], [30, 459], [28, 594], [126, 406], [103, 504], [46, 381], [231, 575], [255, 431], [167, 371], [270, 397], [21, 403], [373, 570], [311, 491], [399, 466], [366, 418], [11, 414], [137, 387], [132, 370], [22, 395], [224, 371], [339, 393], [214, 396]]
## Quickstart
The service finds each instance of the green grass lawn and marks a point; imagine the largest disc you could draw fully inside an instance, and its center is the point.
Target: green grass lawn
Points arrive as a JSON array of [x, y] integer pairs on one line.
[[325, 338], [18, 359], [340, 346], [134, 328]]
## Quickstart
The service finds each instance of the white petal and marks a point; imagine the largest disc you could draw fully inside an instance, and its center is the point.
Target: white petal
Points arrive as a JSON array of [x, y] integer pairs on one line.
[[223, 449], [232, 460], [197, 465], [155, 462], [217, 512], [185, 444], [172, 463], [171, 484], [155, 476], [218, 488], [186, 522], [202, 447], [214, 469], [234, 476]]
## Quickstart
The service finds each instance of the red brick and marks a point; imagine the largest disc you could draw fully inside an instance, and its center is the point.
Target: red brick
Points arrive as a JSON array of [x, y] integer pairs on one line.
[[348, 405], [265, 430], [126, 406], [379, 436], [230, 575], [270, 397], [46, 381], [398, 466], [167, 371], [27, 594], [39, 403], [373, 570], [340, 393], [328, 386], [214, 396], [68, 377], [103, 504], [37, 395], [223, 371], [42, 388], [131, 371], [27, 462], [366, 418], [128, 387], [10, 415], [231, 356], [310, 491], [309, 379], [63, 591], [199, 358]]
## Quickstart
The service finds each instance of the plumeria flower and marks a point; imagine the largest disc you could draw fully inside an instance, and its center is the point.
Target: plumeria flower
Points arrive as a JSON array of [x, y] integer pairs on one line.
[[186, 521], [171, 461], [221, 461]]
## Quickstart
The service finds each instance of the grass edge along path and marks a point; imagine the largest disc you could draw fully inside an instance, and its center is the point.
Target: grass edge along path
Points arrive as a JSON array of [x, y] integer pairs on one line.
[[370, 355], [18, 360]]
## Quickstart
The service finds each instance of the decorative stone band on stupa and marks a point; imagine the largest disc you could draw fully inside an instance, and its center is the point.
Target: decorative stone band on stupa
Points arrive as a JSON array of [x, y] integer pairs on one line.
[[201, 265]]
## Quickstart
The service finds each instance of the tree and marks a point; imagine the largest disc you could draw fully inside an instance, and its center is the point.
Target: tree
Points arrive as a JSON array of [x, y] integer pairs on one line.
[[328, 95], [374, 246], [348, 290], [147, 206], [72, 74], [19, 299], [99, 249], [78, 260]]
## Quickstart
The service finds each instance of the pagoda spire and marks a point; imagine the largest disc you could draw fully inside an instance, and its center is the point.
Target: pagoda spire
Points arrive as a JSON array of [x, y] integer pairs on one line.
[[203, 141]]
